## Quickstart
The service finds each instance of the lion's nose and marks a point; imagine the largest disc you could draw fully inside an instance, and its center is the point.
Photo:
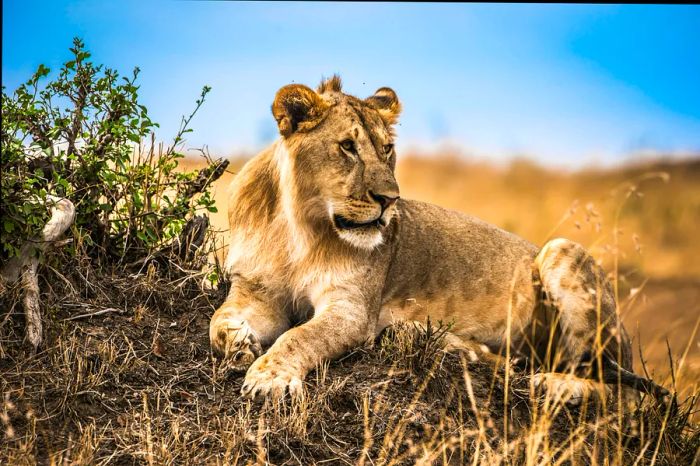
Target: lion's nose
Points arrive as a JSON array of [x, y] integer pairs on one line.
[[383, 199]]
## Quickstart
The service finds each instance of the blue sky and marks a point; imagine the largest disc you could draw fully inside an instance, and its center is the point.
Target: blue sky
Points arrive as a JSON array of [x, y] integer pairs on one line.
[[565, 84]]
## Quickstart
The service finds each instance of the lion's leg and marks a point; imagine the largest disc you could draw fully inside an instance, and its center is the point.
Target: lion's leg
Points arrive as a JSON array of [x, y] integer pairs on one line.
[[585, 303], [592, 334], [245, 323], [341, 321]]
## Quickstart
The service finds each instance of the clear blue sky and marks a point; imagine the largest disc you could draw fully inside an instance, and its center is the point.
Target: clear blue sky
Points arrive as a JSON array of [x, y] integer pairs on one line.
[[566, 84]]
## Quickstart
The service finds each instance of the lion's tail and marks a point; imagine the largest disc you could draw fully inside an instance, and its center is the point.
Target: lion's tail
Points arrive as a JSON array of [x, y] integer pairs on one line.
[[613, 373]]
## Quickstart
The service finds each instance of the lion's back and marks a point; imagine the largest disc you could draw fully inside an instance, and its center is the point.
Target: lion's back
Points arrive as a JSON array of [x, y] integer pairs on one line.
[[436, 248], [439, 228]]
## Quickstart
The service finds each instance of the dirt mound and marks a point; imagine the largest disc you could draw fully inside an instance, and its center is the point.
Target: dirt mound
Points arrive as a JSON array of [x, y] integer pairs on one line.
[[126, 377]]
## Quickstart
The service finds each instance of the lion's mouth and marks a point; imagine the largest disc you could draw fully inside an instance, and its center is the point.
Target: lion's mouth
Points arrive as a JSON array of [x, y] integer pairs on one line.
[[347, 224]]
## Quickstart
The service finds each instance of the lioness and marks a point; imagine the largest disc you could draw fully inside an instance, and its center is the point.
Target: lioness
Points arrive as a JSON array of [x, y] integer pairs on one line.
[[324, 255]]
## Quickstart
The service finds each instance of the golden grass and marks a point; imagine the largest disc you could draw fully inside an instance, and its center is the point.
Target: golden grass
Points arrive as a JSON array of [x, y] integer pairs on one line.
[[114, 399]]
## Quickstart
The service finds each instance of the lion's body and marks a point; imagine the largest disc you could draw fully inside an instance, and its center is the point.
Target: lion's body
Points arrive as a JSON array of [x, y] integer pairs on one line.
[[309, 246], [457, 269]]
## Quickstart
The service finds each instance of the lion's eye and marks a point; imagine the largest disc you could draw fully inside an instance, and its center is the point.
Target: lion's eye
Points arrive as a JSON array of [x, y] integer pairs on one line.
[[348, 145], [388, 148]]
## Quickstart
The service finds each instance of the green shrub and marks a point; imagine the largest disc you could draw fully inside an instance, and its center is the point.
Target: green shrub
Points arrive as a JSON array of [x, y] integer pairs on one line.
[[84, 136]]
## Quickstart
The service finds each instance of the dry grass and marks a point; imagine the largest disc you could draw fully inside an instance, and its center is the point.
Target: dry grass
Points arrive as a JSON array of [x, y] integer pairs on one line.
[[140, 387], [126, 375]]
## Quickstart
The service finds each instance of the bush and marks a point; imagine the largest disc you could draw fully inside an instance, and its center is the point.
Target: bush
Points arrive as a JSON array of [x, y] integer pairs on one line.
[[84, 136]]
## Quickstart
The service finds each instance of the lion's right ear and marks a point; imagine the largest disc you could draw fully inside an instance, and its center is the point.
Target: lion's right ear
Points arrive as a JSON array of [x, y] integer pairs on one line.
[[386, 102], [297, 108]]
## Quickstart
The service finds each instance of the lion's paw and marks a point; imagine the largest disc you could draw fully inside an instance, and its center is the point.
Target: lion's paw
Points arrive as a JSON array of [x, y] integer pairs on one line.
[[565, 388], [235, 342], [267, 377]]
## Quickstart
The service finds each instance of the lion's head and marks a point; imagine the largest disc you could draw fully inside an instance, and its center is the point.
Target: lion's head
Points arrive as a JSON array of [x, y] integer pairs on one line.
[[340, 157]]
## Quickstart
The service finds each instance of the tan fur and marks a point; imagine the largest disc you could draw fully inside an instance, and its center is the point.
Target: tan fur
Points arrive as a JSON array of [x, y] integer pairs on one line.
[[319, 238]]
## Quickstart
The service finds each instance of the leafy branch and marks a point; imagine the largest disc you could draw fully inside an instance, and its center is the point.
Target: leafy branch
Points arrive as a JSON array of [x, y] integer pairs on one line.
[[84, 135]]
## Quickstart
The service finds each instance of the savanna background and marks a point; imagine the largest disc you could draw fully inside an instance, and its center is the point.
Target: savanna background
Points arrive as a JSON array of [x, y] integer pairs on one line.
[[579, 121]]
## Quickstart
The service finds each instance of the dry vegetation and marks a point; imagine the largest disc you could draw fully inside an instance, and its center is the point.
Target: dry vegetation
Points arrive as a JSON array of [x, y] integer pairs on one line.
[[126, 375]]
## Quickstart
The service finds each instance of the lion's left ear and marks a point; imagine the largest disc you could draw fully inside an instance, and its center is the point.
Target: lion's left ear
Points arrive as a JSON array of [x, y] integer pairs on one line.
[[386, 103]]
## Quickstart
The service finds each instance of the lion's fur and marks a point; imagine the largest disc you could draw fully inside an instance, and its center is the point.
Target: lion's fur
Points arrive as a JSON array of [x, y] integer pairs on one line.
[[292, 261]]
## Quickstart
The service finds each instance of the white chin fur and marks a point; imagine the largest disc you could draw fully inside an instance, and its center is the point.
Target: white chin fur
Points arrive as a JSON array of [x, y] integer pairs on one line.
[[362, 239]]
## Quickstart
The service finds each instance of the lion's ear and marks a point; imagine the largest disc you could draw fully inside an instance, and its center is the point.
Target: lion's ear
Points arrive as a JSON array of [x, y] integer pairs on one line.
[[386, 103], [297, 108]]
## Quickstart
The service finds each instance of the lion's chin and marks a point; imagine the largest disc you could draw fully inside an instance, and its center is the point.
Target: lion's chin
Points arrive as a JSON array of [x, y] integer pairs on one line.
[[362, 235], [366, 238]]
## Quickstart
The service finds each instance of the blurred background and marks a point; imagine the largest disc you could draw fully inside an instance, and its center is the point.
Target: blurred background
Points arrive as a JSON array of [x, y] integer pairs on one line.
[[548, 120]]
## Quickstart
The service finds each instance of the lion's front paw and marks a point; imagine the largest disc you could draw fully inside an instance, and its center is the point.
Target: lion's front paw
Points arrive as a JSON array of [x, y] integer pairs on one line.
[[268, 377], [235, 342]]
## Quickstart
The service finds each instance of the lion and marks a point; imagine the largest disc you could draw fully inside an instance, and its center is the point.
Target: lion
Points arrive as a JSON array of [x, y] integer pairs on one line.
[[324, 255]]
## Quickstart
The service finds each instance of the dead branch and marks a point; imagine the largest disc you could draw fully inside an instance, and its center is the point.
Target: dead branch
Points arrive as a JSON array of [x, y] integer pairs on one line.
[[106, 310], [25, 265], [191, 238], [205, 177]]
